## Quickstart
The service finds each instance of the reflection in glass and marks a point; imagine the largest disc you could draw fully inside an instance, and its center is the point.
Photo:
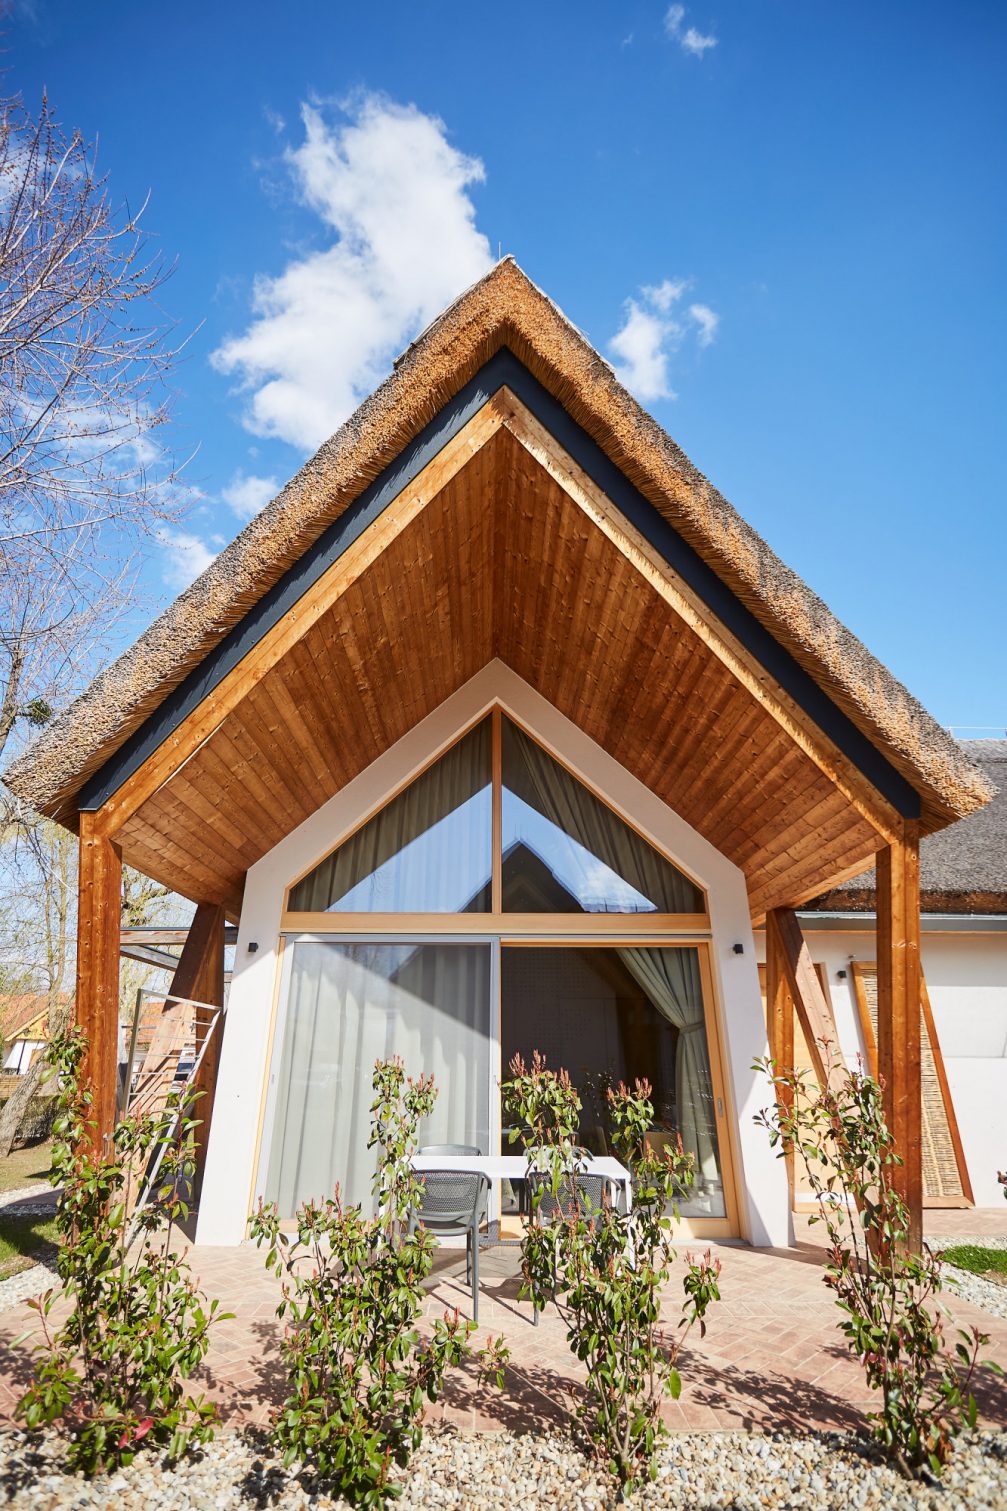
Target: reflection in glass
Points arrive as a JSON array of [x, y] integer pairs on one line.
[[349, 1005], [428, 851], [613, 1014], [565, 851]]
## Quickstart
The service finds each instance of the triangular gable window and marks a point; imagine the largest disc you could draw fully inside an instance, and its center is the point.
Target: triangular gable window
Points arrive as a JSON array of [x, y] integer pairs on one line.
[[565, 851], [427, 851], [430, 849]]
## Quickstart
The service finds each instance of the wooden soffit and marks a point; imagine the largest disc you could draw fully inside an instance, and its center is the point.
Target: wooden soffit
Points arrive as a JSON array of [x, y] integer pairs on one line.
[[501, 548]]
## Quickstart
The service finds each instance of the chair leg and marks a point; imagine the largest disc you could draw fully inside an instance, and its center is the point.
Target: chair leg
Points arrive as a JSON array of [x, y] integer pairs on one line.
[[474, 1236], [468, 1257]]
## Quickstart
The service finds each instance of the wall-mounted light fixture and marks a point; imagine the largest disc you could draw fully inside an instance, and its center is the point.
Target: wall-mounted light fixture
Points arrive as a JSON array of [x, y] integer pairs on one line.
[[739, 949], [841, 975], [252, 946]]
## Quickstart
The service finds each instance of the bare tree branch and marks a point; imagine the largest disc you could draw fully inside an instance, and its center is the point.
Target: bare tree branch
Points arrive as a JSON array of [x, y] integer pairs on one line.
[[85, 357]]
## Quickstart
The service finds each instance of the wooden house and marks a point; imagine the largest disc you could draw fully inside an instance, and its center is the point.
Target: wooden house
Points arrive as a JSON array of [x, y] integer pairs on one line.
[[963, 966], [500, 729]]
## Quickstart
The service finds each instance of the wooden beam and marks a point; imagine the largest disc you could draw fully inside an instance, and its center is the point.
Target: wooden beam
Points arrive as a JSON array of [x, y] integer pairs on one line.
[[780, 1022], [199, 976], [316, 602], [99, 910], [196, 973], [793, 960], [899, 1048], [942, 1081], [741, 662]]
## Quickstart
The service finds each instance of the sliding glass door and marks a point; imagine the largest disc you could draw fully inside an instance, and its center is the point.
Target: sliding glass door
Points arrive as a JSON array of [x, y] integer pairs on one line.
[[611, 1014], [348, 1004], [496, 903]]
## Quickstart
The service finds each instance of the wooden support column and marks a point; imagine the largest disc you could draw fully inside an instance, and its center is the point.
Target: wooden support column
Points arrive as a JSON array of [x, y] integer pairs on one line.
[[199, 976], [780, 1015], [898, 931], [99, 910]]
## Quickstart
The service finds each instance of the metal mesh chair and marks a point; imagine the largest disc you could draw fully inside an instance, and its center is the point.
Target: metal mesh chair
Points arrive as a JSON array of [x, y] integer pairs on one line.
[[453, 1203], [583, 1193]]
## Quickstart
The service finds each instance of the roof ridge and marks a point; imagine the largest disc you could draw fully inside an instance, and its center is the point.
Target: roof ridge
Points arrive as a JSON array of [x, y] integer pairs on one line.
[[503, 308]]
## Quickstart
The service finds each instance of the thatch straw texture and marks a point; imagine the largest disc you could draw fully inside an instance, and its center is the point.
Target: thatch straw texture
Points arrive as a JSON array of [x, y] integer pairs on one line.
[[505, 308]]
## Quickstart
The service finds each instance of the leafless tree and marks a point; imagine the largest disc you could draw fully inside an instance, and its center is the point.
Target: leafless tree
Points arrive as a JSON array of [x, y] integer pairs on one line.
[[85, 354], [38, 905], [85, 357], [42, 872]]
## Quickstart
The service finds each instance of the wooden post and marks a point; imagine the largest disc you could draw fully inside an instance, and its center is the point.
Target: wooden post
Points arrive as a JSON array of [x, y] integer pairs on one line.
[[780, 1013], [199, 975], [898, 930], [99, 909]]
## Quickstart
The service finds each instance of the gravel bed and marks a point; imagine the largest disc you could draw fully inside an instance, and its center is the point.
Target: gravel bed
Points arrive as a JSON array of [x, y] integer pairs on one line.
[[983, 1293], [43, 1194], [30, 1282], [730, 1471]]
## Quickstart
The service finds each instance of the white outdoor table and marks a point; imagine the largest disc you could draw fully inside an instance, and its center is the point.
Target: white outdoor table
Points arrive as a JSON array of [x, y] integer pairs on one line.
[[498, 1167]]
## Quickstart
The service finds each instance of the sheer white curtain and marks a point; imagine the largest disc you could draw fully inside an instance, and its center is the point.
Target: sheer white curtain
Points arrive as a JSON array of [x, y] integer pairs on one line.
[[671, 978], [427, 851], [349, 1005], [532, 775]]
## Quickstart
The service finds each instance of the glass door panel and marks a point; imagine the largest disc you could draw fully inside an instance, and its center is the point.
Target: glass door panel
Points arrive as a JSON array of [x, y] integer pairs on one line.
[[347, 1005], [610, 1014]]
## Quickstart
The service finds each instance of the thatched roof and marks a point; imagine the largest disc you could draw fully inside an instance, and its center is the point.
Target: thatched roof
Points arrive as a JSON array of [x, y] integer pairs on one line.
[[963, 869], [503, 309]]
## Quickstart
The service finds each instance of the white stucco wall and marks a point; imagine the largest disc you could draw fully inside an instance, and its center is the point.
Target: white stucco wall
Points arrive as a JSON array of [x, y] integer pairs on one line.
[[967, 980], [230, 1172]]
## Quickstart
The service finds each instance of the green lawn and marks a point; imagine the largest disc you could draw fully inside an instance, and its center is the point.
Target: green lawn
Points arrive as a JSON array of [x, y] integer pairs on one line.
[[991, 1263], [20, 1240], [23, 1167]]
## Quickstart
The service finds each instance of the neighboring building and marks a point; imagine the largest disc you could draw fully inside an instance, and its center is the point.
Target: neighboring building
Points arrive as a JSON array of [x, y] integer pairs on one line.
[[963, 891], [24, 1029], [499, 729]]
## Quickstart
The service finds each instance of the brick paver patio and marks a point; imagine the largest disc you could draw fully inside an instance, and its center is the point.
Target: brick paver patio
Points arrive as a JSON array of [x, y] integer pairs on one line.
[[772, 1356]]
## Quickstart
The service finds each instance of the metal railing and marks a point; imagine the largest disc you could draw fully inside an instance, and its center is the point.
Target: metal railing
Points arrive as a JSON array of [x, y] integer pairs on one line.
[[178, 1040]]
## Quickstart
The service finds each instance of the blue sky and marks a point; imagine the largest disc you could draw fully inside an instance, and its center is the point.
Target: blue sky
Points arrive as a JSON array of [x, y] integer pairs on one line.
[[784, 221]]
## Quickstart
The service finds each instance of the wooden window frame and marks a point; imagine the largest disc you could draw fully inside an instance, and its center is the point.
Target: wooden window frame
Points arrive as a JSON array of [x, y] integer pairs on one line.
[[495, 920], [689, 1228]]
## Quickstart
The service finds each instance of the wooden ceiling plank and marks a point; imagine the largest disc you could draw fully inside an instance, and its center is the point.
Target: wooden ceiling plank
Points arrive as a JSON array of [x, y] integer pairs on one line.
[[350, 566], [741, 662], [502, 559]]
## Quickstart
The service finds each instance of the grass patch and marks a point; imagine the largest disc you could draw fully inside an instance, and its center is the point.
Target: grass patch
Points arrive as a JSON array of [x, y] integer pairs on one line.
[[23, 1167], [21, 1238], [978, 1260]]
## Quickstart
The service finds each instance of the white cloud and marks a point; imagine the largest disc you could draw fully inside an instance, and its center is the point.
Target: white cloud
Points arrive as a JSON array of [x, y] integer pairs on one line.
[[246, 495], [663, 295], [650, 334], [393, 196], [707, 320], [691, 41], [697, 43], [673, 18], [643, 345], [186, 556]]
